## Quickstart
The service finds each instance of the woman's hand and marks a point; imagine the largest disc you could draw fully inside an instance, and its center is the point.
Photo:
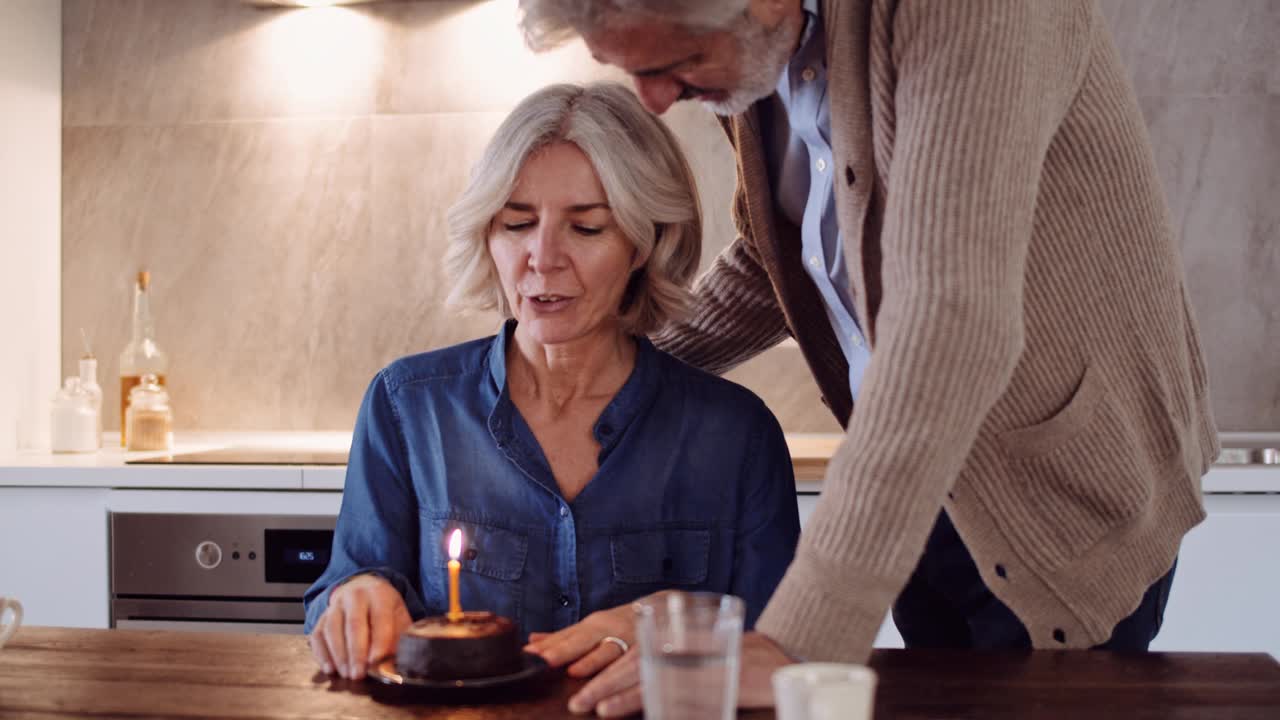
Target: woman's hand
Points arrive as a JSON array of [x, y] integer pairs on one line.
[[616, 691], [360, 626], [584, 642]]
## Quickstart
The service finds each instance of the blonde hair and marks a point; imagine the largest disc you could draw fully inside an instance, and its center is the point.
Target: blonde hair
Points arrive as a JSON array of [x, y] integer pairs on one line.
[[648, 183]]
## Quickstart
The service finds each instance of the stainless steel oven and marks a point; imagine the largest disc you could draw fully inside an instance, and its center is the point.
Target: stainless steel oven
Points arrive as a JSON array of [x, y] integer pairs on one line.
[[243, 573]]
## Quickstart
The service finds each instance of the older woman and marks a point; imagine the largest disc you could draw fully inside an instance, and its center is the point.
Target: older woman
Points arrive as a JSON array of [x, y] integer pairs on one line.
[[584, 467]]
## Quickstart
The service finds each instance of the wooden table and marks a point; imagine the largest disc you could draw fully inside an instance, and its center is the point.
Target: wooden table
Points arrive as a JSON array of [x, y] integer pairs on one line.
[[71, 673]]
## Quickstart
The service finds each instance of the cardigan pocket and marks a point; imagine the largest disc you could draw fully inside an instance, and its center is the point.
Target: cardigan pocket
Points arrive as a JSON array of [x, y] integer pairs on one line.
[[1076, 477], [1042, 438]]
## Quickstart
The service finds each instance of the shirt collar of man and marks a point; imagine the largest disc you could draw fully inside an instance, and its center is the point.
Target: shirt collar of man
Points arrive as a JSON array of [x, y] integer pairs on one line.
[[812, 26]]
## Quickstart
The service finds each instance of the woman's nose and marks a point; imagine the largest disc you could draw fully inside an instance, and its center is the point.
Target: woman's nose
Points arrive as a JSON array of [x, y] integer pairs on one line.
[[546, 249], [657, 93]]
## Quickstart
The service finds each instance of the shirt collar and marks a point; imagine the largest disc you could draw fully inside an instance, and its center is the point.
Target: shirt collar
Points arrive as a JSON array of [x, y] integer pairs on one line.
[[812, 26], [633, 398], [812, 13]]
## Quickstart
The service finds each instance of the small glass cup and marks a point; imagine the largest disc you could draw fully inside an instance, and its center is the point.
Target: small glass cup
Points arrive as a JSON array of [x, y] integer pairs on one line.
[[149, 418], [824, 691], [690, 645]]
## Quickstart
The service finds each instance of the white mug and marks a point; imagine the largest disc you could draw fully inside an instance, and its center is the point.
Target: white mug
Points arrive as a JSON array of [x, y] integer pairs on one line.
[[7, 629], [824, 691]]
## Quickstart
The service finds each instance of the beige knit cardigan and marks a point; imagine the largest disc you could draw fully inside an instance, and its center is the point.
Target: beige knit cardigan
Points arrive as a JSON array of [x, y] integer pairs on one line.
[[1035, 367]]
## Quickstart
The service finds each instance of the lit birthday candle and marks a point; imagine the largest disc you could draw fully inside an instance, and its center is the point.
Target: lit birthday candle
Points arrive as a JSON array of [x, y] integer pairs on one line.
[[455, 567]]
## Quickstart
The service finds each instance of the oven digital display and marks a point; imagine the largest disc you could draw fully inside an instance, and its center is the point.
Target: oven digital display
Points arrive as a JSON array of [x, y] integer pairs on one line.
[[296, 556]]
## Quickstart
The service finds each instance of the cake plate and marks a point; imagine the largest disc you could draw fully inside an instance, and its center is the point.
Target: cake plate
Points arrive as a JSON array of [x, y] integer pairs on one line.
[[393, 686]]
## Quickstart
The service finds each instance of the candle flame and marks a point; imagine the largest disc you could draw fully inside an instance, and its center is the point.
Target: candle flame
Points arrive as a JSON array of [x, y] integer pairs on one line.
[[455, 544]]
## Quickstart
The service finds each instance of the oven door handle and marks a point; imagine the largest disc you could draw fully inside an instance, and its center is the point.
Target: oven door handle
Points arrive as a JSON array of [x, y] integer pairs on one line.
[[207, 610], [211, 626]]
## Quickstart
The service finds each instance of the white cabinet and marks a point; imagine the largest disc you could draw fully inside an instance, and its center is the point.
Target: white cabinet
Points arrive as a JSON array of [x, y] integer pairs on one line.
[[1226, 590], [53, 554]]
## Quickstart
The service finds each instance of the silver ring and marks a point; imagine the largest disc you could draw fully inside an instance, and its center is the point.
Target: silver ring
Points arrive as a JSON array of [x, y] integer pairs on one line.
[[622, 644]]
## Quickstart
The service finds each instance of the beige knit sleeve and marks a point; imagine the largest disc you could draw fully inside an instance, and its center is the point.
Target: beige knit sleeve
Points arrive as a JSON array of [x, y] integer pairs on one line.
[[735, 315], [978, 85]]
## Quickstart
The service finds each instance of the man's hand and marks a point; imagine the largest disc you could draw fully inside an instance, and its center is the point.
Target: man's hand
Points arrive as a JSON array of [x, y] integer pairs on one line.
[[361, 626], [616, 691], [584, 642]]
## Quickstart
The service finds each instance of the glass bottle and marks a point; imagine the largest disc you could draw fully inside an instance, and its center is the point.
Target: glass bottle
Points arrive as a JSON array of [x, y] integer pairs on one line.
[[141, 356], [149, 419], [89, 382]]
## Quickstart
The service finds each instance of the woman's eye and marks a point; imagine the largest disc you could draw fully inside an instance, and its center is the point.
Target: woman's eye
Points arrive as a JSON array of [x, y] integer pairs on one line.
[[514, 226], [587, 230]]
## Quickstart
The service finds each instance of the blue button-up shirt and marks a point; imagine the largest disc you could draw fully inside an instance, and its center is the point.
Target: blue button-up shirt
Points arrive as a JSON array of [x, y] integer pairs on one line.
[[801, 165], [694, 491]]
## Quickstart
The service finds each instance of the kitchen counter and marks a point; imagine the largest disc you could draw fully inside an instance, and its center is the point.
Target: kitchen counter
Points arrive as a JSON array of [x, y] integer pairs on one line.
[[72, 673], [108, 468]]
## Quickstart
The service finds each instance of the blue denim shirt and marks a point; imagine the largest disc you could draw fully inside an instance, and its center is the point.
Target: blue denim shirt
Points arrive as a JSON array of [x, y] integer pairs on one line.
[[695, 491]]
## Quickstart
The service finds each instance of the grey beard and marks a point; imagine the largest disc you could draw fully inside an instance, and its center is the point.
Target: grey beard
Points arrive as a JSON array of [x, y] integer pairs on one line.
[[768, 52]]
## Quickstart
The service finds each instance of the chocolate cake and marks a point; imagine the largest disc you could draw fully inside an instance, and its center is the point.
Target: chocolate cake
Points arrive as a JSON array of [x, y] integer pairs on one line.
[[479, 644]]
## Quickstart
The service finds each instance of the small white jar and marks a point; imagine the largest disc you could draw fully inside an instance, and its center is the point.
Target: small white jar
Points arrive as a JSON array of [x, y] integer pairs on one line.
[[75, 419]]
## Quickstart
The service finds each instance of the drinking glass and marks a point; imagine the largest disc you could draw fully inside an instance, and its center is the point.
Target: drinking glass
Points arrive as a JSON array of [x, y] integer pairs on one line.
[[13, 609], [689, 649]]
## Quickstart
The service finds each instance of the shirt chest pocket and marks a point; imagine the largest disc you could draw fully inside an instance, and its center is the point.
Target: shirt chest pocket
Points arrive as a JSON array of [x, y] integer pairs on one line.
[[660, 558], [492, 563]]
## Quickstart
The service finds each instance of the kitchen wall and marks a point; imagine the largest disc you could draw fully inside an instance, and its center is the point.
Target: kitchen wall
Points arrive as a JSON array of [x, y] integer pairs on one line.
[[1208, 78], [30, 178], [285, 173]]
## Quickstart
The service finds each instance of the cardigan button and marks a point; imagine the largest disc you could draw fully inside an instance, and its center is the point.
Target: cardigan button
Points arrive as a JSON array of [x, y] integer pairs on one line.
[[848, 174], [1059, 635], [1000, 571]]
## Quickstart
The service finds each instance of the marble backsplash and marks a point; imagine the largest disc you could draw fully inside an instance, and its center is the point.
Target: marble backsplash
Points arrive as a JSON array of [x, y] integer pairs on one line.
[[284, 175]]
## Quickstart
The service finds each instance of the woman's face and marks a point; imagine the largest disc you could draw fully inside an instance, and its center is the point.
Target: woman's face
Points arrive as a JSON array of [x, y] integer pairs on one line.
[[562, 260]]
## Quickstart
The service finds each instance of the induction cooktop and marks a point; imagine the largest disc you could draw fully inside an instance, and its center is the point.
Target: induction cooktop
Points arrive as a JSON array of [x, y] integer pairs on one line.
[[248, 456]]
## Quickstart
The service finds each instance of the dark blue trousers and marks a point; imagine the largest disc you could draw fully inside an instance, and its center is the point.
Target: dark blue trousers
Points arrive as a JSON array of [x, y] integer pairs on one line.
[[945, 604]]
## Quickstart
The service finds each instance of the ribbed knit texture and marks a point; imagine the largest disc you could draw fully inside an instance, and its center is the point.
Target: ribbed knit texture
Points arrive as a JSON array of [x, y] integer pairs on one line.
[[1035, 368]]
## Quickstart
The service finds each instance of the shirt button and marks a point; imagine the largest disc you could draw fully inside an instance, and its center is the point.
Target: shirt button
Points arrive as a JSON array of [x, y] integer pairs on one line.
[[808, 74], [563, 600], [564, 511], [821, 164], [857, 341], [813, 260]]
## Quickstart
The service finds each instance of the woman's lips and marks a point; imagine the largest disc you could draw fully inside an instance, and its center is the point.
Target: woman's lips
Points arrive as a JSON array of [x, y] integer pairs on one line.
[[548, 304]]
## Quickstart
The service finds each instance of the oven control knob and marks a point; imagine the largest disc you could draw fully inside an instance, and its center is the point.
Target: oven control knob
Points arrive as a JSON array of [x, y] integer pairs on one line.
[[208, 554]]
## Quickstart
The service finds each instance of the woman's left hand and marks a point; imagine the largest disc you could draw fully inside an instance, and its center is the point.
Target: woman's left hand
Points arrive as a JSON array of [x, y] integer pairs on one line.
[[585, 641]]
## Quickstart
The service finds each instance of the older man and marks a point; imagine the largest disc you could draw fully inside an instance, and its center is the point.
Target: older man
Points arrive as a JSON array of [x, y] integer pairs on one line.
[[953, 208]]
